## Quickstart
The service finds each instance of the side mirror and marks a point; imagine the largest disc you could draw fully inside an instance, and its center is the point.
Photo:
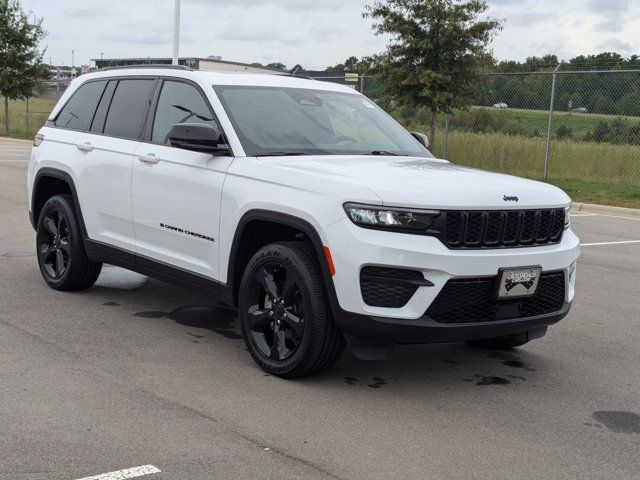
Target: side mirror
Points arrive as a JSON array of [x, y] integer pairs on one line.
[[198, 137], [422, 138]]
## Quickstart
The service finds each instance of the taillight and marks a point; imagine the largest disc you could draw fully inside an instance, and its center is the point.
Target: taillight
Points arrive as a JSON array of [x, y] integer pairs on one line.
[[38, 140]]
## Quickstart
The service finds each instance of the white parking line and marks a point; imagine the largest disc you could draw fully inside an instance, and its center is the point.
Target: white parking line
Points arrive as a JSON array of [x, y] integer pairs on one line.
[[618, 216], [127, 473], [609, 243], [603, 215]]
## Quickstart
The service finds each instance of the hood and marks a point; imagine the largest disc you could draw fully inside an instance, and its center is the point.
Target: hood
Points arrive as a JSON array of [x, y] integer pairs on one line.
[[428, 183]]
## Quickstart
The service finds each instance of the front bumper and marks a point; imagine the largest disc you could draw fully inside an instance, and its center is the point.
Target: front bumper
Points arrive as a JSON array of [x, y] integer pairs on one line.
[[426, 330], [354, 248]]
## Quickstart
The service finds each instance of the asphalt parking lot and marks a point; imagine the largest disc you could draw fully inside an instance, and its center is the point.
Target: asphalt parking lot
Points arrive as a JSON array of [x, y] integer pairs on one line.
[[134, 372]]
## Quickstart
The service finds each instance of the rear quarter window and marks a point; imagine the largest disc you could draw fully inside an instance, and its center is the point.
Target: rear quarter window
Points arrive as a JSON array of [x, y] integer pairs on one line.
[[129, 108], [78, 111]]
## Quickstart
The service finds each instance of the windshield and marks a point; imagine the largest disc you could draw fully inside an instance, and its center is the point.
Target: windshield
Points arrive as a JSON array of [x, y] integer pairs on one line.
[[297, 121]]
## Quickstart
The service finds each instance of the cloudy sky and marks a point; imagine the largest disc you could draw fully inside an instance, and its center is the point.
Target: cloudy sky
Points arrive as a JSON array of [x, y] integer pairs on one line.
[[314, 33]]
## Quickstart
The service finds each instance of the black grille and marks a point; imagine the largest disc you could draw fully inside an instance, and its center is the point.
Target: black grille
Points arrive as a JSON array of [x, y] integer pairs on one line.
[[498, 229], [474, 300], [388, 287]]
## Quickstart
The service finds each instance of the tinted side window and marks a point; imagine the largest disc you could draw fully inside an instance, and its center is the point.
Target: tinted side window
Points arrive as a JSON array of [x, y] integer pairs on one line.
[[101, 113], [178, 103], [129, 108], [78, 111]]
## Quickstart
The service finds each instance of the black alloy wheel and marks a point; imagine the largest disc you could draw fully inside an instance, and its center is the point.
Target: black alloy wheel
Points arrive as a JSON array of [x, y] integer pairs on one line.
[[54, 247], [276, 320]]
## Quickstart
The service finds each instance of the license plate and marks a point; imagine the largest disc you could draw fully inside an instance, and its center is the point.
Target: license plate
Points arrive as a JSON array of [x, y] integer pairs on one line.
[[519, 282]]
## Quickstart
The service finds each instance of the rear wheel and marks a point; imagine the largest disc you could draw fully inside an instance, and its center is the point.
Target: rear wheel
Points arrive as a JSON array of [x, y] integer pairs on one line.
[[61, 256], [284, 314]]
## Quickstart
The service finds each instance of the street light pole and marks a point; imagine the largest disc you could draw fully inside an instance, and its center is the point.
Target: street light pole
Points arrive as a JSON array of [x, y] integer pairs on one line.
[[176, 31]]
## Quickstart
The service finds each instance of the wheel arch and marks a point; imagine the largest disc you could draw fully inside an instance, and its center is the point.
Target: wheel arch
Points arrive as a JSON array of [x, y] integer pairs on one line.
[[49, 182], [240, 253]]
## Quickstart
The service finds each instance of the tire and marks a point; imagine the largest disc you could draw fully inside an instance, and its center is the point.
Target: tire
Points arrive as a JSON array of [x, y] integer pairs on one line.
[[284, 313], [60, 249]]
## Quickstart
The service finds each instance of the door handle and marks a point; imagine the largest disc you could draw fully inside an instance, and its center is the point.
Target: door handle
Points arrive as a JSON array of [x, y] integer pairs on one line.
[[85, 147], [150, 158]]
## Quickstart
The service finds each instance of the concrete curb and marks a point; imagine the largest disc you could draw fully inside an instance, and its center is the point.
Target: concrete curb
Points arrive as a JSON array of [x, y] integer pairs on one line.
[[19, 140], [605, 210]]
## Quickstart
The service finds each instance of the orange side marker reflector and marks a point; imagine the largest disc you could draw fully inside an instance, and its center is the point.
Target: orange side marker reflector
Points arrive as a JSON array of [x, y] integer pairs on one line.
[[332, 268]]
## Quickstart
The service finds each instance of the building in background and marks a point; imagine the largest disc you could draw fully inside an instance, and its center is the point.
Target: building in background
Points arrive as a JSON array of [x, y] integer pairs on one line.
[[213, 63]]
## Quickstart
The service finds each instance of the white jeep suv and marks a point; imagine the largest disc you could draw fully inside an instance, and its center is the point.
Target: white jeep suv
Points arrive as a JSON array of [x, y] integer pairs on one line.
[[303, 204]]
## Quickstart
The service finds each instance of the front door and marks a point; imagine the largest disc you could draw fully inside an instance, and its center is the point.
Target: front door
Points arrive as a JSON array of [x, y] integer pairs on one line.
[[176, 193]]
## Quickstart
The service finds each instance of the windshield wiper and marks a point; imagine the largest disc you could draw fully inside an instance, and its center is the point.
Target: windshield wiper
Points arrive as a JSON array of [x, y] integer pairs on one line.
[[384, 152], [282, 154]]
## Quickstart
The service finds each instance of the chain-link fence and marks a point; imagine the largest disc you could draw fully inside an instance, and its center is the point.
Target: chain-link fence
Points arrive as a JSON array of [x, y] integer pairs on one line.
[[27, 116], [562, 125]]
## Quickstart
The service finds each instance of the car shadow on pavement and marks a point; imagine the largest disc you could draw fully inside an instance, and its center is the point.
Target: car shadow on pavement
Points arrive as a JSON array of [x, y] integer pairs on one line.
[[434, 365], [446, 366]]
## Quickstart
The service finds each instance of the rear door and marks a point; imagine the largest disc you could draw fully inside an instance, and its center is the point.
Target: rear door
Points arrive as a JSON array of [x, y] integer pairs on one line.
[[67, 134], [177, 193], [109, 147]]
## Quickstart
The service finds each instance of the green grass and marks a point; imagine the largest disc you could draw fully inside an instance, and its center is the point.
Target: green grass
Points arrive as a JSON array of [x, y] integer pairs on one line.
[[523, 156], [589, 172], [580, 124], [39, 109], [601, 193]]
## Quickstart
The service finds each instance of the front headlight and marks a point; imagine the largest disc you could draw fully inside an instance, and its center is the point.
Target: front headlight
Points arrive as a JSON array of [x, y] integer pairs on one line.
[[567, 217], [397, 219]]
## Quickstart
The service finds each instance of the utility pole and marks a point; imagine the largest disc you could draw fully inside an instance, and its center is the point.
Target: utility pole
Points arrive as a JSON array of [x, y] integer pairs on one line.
[[101, 55], [73, 70], [176, 32]]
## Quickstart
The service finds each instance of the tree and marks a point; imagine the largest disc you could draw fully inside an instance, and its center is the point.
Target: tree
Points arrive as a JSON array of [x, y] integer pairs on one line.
[[351, 64], [436, 51], [20, 59], [276, 66]]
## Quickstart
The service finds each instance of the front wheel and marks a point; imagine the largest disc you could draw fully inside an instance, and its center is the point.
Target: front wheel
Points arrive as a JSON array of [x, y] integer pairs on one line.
[[284, 315]]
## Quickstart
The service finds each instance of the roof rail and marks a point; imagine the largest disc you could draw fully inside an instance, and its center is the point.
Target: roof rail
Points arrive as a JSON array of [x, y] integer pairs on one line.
[[148, 65], [306, 77]]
